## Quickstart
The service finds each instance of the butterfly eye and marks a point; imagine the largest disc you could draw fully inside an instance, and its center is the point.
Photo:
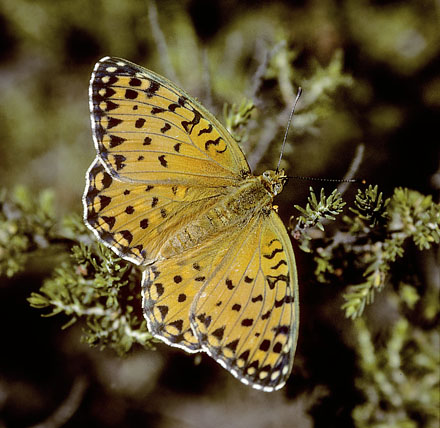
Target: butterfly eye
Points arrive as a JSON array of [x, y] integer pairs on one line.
[[266, 174]]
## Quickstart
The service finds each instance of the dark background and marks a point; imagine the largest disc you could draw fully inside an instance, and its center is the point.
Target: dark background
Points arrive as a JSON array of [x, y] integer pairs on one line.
[[47, 52]]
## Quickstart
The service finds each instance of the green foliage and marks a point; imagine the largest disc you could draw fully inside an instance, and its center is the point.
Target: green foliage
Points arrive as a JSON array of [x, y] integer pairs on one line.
[[401, 380], [370, 207], [324, 82], [374, 237], [91, 283], [406, 216], [26, 225], [320, 85], [316, 214], [237, 117], [101, 289], [415, 216], [407, 29]]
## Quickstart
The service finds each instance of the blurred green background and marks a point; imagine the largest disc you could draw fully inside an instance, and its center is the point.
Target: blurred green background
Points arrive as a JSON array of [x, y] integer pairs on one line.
[[375, 66]]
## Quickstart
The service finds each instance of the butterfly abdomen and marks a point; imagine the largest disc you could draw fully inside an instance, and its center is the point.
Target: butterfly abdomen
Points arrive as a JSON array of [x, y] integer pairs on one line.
[[230, 211]]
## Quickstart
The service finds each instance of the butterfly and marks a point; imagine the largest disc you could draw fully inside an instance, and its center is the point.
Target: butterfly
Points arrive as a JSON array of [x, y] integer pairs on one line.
[[171, 191]]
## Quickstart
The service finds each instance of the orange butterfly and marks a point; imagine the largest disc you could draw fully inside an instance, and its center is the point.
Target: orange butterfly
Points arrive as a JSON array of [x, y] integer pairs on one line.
[[171, 191]]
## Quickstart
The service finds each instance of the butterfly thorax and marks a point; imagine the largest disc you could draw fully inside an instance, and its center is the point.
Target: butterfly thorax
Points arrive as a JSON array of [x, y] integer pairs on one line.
[[234, 209]]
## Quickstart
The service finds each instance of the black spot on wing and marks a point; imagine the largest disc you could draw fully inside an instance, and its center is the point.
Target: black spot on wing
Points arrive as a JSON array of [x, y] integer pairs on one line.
[[108, 92], [281, 329], [157, 110], [163, 311], [110, 105], [104, 201], [178, 324], [215, 142], [174, 106], [265, 345], [119, 161], [247, 322], [218, 333], [273, 254], [258, 298], [159, 288], [116, 141], [205, 130], [152, 89], [139, 123], [163, 161], [280, 263], [130, 94], [98, 83], [205, 320], [278, 347], [112, 122], [280, 302], [233, 345], [189, 126], [165, 128], [134, 81], [127, 235], [272, 280], [266, 315], [106, 181], [244, 355], [110, 221]]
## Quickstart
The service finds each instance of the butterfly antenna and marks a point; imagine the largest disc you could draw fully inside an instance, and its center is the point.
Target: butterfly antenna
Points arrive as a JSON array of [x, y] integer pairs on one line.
[[288, 126], [334, 180]]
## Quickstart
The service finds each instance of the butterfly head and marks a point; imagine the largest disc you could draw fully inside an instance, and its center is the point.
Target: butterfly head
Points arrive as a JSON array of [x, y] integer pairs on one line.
[[274, 181]]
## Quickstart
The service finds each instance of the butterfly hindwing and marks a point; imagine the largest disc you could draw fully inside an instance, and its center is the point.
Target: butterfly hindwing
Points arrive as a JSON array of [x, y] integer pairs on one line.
[[148, 130], [169, 287], [246, 315]]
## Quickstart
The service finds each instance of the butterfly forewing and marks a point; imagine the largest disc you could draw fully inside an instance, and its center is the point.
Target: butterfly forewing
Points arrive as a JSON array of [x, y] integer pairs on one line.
[[136, 219], [148, 130], [171, 190]]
